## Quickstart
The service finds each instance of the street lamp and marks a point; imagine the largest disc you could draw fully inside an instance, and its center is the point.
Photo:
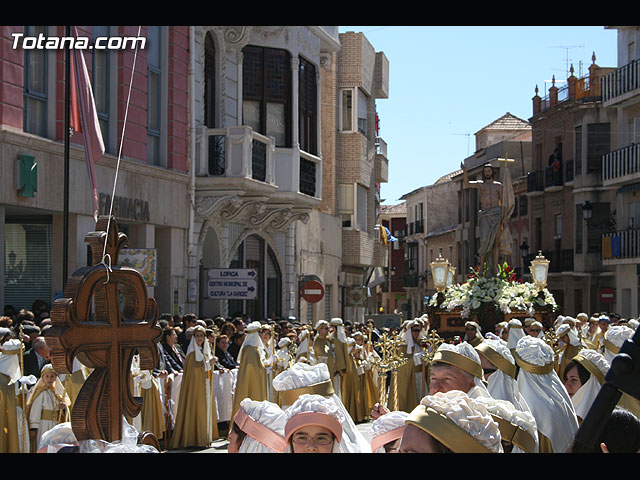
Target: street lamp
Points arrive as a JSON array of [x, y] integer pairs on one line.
[[603, 225], [539, 271], [439, 270]]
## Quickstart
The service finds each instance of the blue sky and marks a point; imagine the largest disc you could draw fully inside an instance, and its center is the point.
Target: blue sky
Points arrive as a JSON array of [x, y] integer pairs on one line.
[[448, 82]]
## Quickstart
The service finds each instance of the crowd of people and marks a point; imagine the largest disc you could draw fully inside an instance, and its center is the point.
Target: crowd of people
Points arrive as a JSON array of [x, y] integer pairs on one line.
[[280, 385]]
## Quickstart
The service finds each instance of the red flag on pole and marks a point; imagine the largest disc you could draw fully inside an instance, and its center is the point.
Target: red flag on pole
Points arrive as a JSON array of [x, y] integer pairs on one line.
[[74, 109], [84, 118]]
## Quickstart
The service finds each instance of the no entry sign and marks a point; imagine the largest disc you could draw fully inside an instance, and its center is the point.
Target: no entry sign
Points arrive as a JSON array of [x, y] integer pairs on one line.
[[607, 295], [312, 291]]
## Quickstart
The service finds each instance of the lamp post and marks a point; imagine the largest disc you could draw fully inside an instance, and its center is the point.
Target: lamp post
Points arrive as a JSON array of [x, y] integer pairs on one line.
[[601, 224]]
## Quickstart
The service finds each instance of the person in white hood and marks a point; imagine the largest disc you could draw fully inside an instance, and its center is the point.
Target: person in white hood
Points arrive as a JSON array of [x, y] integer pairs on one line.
[[545, 395]]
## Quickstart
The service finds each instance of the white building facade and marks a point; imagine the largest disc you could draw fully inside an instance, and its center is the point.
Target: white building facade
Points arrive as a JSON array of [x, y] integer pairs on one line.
[[257, 152], [620, 172]]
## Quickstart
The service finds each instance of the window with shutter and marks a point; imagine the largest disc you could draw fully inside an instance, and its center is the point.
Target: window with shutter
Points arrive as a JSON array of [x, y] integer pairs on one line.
[[27, 264]]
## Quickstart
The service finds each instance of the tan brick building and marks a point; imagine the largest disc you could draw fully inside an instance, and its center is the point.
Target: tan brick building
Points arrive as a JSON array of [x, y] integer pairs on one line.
[[361, 164], [571, 131], [620, 172]]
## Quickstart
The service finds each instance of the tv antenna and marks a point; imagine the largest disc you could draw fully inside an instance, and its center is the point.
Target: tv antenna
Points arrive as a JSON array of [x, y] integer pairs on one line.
[[468, 135], [567, 59]]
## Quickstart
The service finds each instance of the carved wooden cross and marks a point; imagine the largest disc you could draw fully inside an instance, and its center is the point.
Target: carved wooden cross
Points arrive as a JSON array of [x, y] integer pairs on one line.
[[103, 319]]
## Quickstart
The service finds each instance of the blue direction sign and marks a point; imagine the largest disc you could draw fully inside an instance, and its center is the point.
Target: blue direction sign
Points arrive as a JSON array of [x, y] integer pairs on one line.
[[232, 283]]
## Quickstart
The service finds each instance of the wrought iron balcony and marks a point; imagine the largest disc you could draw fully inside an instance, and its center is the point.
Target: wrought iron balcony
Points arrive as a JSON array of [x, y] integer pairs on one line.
[[411, 280], [621, 245], [308, 176], [535, 182], [568, 171], [620, 82], [552, 177], [624, 162], [561, 261]]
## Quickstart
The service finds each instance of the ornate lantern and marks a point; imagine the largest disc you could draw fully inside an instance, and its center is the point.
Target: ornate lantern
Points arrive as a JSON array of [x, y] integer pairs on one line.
[[539, 270], [439, 271]]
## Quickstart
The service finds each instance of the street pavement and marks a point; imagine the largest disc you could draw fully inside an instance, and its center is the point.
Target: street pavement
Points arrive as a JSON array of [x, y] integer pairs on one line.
[[220, 446]]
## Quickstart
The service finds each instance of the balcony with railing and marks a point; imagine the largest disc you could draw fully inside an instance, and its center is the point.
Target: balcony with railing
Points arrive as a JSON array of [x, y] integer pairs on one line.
[[535, 183], [416, 227], [237, 158], [620, 247], [586, 89], [568, 171], [621, 84], [552, 179], [560, 261], [621, 166], [411, 280], [310, 175]]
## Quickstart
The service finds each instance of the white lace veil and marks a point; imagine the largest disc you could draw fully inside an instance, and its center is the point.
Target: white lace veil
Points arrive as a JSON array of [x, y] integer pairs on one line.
[[302, 375], [266, 414], [614, 337], [390, 425], [324, 405]]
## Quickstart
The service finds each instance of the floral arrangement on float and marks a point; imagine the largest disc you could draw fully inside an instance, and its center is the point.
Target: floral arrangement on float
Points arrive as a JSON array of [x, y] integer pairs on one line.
[[504, 293]]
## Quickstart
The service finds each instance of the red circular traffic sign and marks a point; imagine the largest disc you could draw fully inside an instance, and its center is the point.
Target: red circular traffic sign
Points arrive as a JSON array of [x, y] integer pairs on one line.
[[312, 291], [607, 295]]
